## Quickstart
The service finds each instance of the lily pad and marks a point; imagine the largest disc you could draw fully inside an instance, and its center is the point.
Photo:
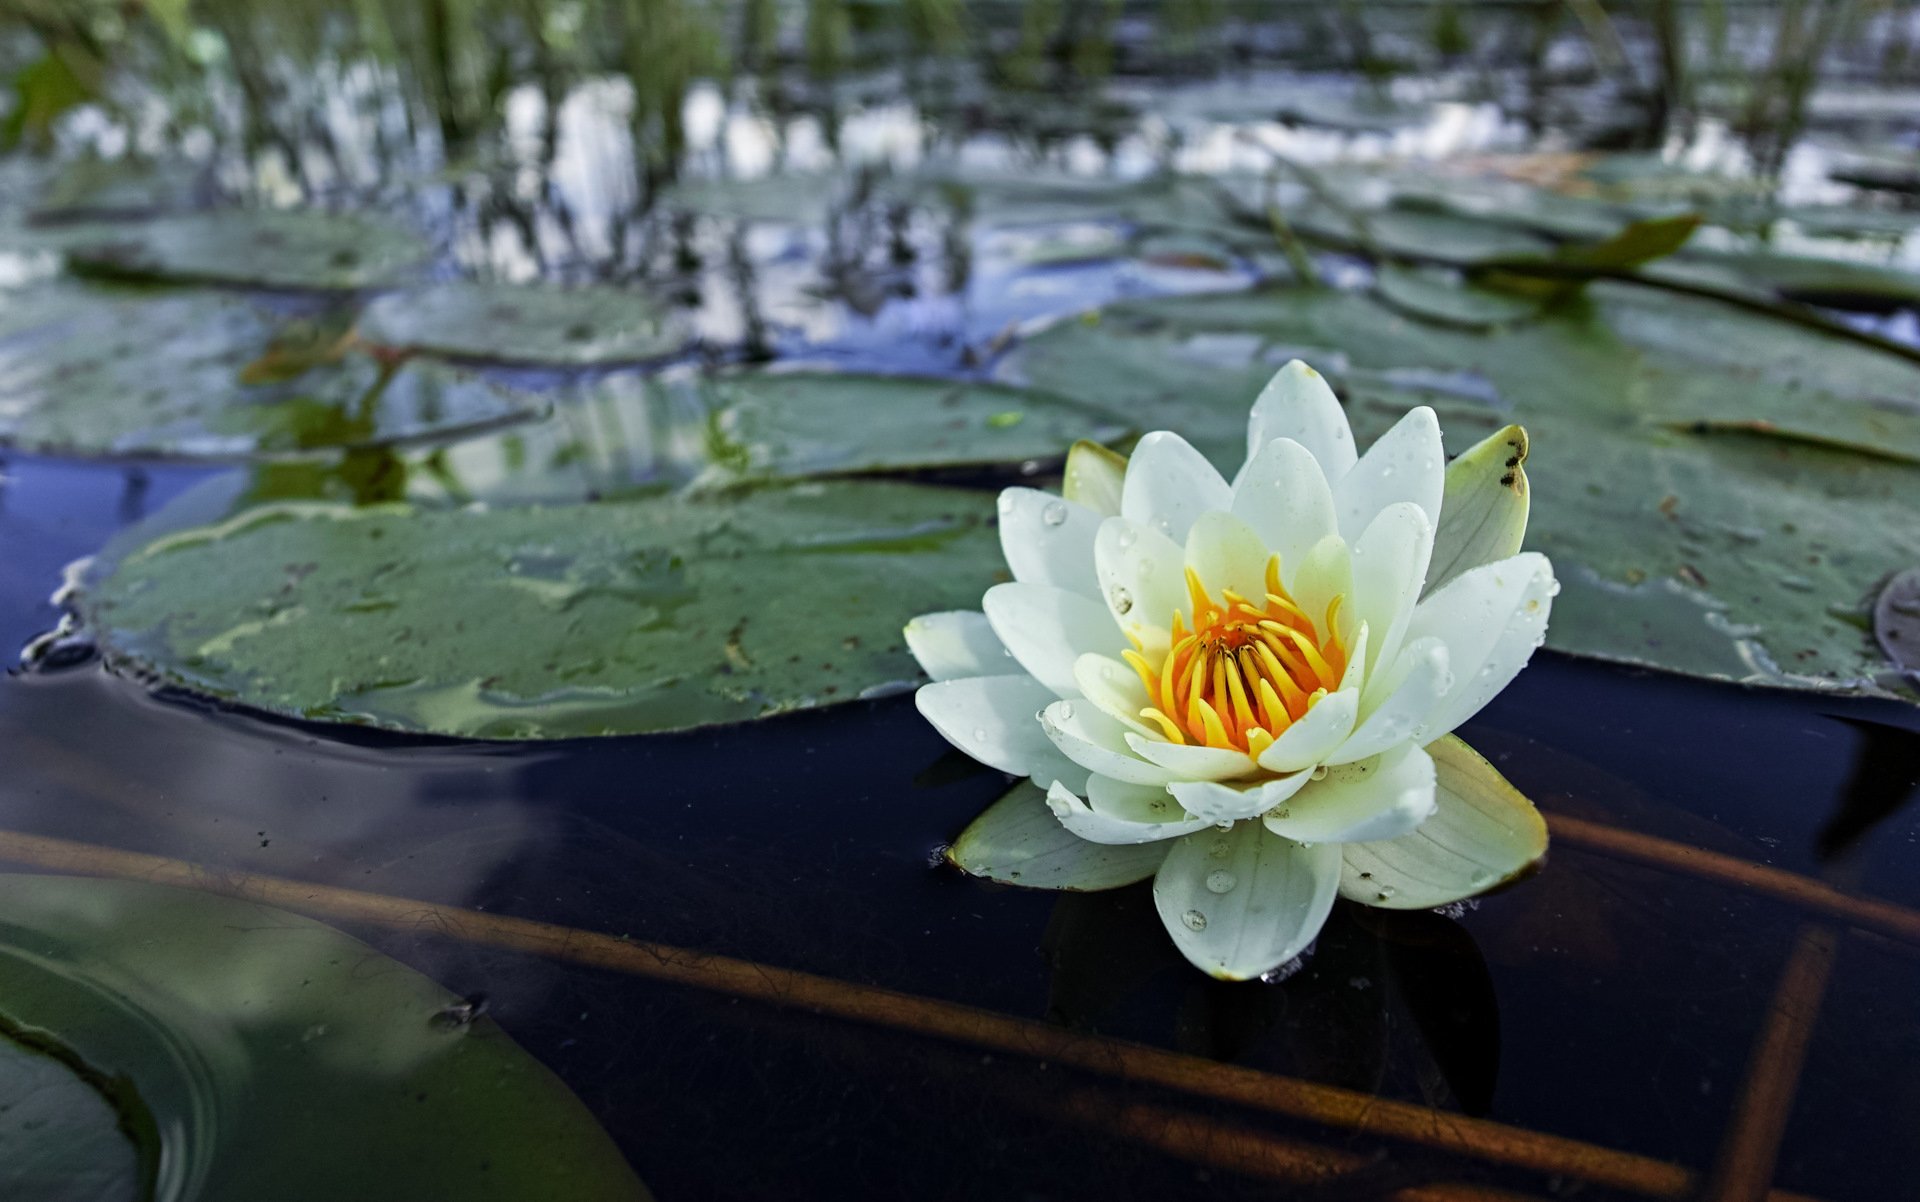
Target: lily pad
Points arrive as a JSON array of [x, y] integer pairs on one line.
[[1896, 621], [271, 1056], [653, 614], [60, 1137], [533, 324], [1428, 294], [88, 370], [805, 423], [1721, 554], [623, 434], [261, 248]]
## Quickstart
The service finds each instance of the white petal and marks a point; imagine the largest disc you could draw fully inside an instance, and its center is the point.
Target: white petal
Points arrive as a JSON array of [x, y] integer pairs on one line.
[[1406, 464], [1482, 834], [1130, 823], [1226, 554], [1189, 762], [994, 719], [1046, 629], [1325, 572], [1169, 484], [1115, 688], [1214, 802], [1483, 510], [1243, 902], [957, 643], [1389, 566], [1284, 496], [1407, 692], [1018, 841], [1059, 770], [1048, 540], [1098, 743], [1314, 736], [1298, 404], [1491, 620], [1142, 580], [1094, 476], [1381, 798]]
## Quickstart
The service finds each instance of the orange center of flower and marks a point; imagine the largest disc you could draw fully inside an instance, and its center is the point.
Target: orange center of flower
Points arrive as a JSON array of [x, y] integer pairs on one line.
[[1245, 672]]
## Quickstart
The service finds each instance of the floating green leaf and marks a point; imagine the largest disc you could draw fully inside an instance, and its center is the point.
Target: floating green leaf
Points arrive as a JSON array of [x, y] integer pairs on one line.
[[1429, 294], [60, 1137], [1717, 554], [274, 1057], [505, 323], [626, 433], [101, 371], [807, 423], [263, 248], [616, 618]]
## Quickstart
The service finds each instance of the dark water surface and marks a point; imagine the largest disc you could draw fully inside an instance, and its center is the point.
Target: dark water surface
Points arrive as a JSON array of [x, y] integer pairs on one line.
[[1634, 1007]]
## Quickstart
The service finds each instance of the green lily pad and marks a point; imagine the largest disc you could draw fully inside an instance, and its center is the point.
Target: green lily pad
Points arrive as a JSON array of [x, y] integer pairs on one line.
[[1427, 293], [270, 1056], [805, 423], [88, 370], [1717, 553], [653, 614], [261, 248], [533, 324], [60, 1137], [624, 434], [94, 189]]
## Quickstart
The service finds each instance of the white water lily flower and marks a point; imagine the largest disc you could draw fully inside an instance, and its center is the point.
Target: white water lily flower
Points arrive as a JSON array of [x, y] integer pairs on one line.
[[1246, 689]]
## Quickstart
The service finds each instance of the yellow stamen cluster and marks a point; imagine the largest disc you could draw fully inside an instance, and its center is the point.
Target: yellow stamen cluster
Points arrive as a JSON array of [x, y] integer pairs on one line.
[[1246, 670]]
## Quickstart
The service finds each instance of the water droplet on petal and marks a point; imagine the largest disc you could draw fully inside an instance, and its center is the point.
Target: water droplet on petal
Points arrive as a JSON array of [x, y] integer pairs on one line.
[[980, 734], [1122, 599], [1066, 711], [1221, 881], [1386, 891], [1221, 848], [1126, 538], [1055, 514], [1195, 920]]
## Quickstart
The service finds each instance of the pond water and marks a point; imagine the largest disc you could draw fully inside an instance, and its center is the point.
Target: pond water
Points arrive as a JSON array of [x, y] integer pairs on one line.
[[721, 920]]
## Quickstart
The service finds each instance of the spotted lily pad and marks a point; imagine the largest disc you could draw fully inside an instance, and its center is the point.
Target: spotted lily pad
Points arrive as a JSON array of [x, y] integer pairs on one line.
[[534, 324], [253, 1053], [263, 248], [88, 370], [531, 622], [1683, 540]]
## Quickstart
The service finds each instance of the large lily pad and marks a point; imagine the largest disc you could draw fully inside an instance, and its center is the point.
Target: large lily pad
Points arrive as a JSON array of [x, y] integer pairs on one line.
[[270, 1056], [103, 371], [625, 433], [263, 248], [1721, 491], [506, 323], [60, 1136], [616, 618]]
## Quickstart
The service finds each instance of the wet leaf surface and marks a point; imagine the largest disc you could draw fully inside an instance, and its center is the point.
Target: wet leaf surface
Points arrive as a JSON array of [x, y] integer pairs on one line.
[[278, 1058], [60, 1138], [261, 248], [87, 370], [532, 324], [508, 623]]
